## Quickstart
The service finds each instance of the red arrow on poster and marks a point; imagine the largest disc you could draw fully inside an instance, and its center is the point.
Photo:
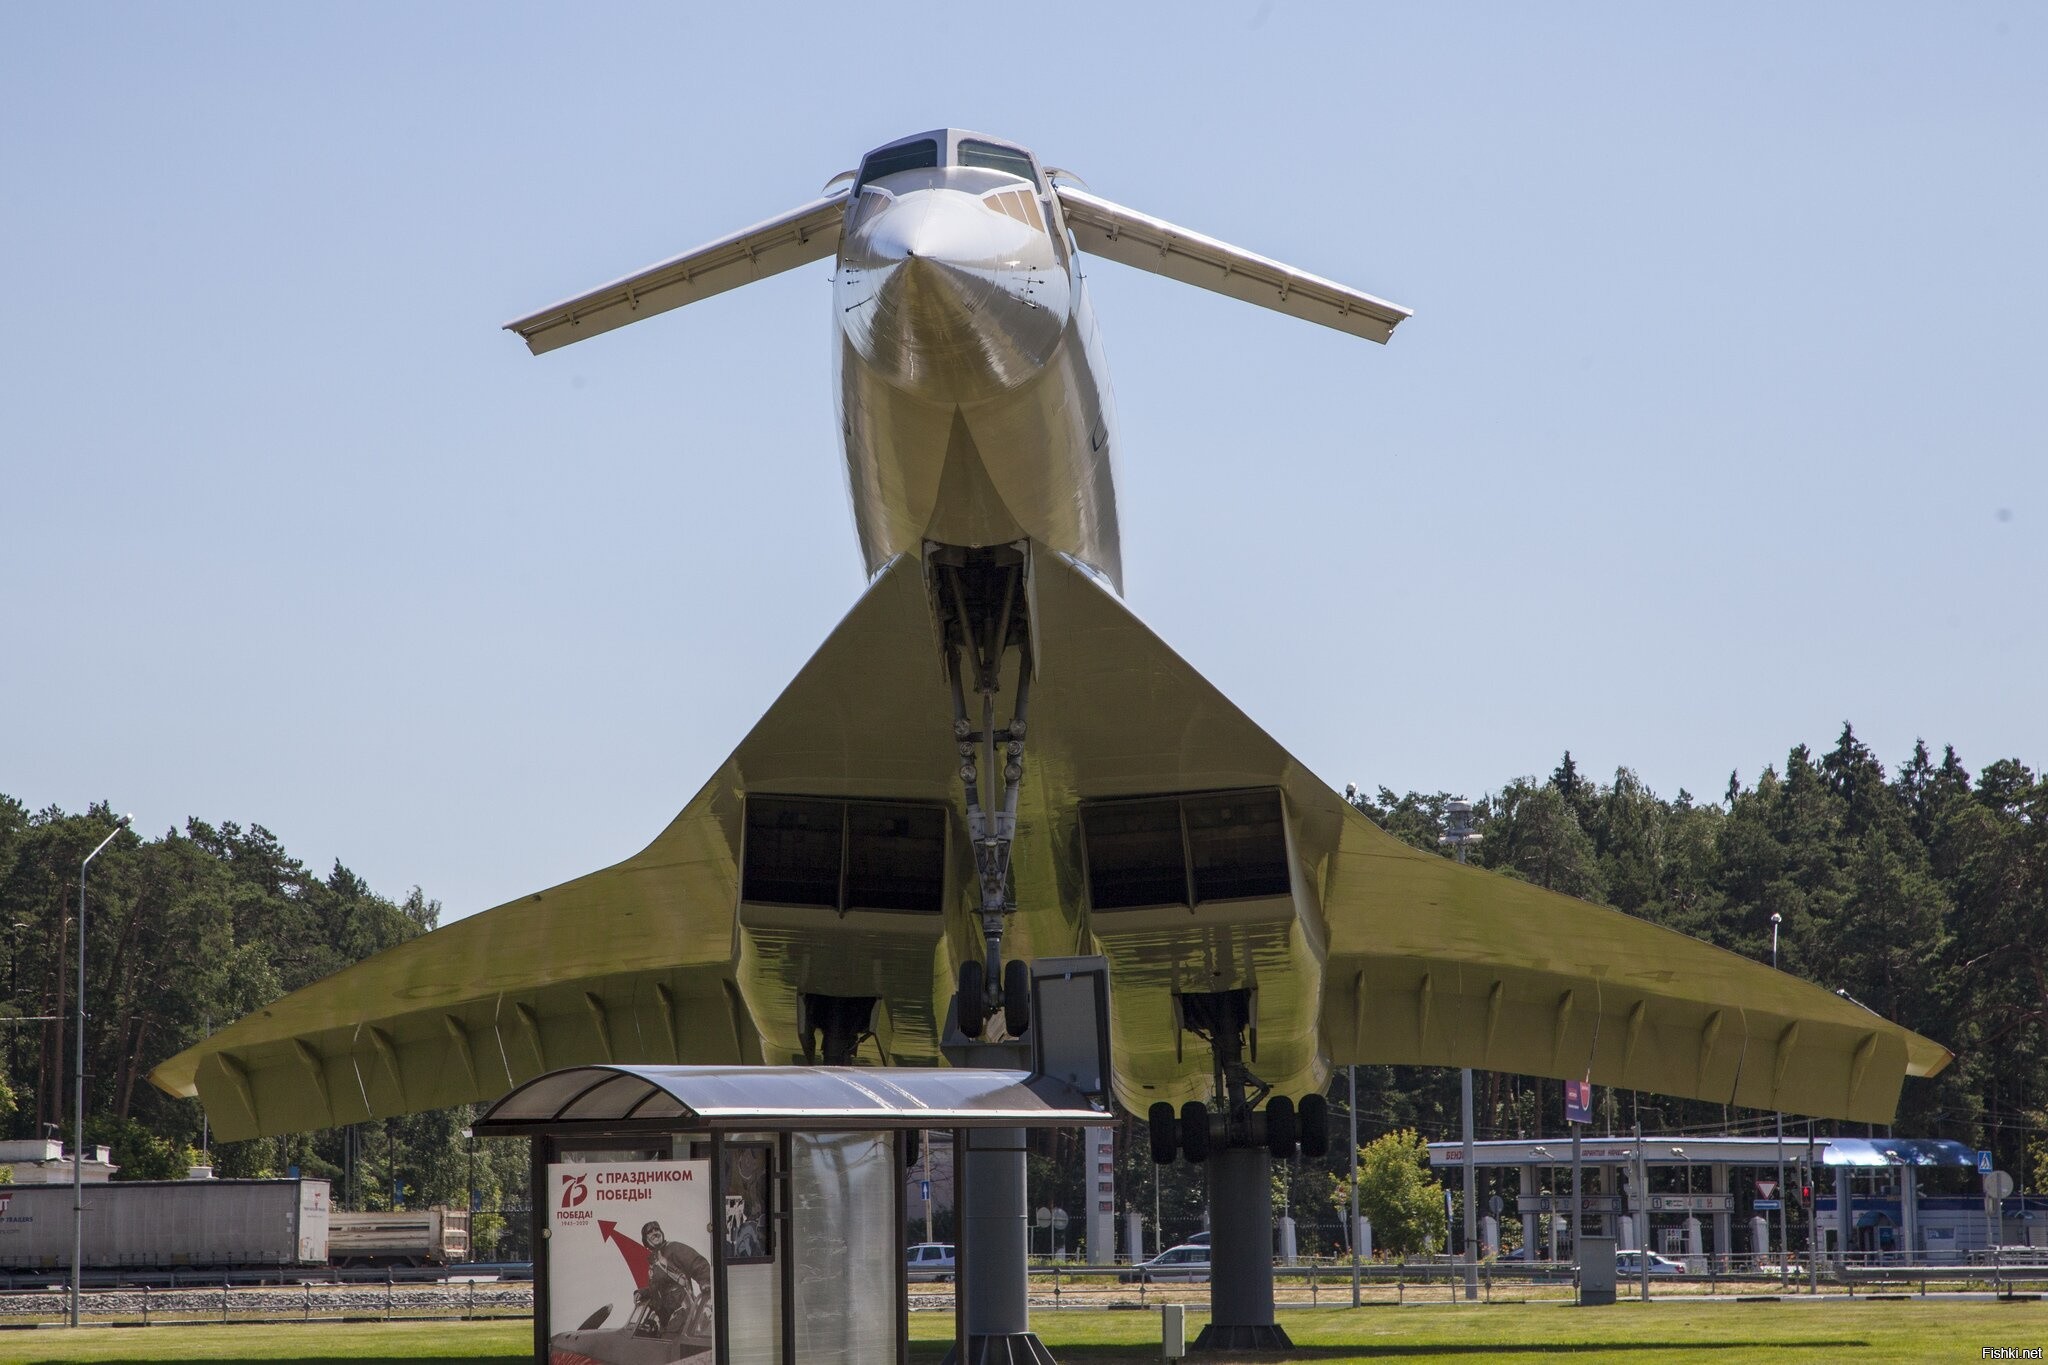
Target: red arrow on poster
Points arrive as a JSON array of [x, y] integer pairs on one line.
[[635, 1254], [1767, 1189]]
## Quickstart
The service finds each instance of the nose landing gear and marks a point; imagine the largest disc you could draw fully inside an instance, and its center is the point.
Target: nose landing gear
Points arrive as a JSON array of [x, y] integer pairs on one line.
[[983, 610]]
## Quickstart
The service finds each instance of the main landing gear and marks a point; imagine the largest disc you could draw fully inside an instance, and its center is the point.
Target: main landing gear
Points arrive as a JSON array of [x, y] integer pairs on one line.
[[1235, 1144]]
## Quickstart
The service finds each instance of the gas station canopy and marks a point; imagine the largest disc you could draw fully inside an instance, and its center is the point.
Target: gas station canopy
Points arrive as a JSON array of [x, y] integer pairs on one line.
[[1848, 1151]]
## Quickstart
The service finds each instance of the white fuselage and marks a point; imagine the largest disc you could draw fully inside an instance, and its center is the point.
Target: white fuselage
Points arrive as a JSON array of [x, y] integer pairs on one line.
[[973, 400]]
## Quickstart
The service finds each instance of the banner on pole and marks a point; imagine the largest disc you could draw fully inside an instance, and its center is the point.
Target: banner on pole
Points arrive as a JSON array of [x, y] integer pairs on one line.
[[1578, 1101]]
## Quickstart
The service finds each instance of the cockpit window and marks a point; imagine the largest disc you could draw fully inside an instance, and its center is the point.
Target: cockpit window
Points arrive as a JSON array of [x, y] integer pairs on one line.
[[996, 157], [920, 155]]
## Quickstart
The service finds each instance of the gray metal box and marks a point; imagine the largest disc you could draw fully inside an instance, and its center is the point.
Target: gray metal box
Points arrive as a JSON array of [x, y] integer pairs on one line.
[[1596, 1270]]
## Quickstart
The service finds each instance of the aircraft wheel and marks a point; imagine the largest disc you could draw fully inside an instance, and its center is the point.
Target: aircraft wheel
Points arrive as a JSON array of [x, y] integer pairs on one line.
[[1165, 1126], [1016, 997], [1194, 1131], [1314, 1120], [1280, 1129], [973, 1011]]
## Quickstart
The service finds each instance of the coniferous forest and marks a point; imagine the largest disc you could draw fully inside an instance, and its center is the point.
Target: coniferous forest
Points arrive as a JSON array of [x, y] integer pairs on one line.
[[1920, 889]]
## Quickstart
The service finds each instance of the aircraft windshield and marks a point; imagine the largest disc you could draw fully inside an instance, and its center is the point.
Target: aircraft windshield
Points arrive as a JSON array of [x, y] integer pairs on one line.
[[922, 154], [996, 157]]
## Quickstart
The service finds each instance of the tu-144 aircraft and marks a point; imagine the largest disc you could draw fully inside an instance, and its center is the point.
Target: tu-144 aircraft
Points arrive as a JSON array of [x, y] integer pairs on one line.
[[991, 759]]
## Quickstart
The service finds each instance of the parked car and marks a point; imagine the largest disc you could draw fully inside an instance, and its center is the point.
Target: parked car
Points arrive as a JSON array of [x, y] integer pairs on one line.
[[929, 1261], [1186, 1262], [1630, 1263]]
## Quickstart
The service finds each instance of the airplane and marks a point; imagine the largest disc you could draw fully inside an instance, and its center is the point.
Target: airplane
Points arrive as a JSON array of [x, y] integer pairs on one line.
[[991, 759]]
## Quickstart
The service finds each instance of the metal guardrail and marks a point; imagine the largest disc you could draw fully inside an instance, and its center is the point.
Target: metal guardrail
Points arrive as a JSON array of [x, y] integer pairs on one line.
[[389, 1298]]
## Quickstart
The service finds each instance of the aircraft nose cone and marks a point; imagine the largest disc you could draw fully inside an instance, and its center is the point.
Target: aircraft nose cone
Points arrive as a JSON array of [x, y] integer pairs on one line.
[[949, 299]]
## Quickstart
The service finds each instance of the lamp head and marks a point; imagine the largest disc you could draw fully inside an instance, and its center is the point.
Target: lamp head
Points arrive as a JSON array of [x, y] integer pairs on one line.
[[124, 822]]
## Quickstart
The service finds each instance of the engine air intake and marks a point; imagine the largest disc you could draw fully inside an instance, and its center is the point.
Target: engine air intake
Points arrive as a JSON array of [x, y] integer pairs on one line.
[[1185, 850], [844, 855]]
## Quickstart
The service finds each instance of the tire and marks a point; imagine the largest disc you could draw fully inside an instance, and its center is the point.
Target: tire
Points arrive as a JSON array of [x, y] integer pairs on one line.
[[973, 1001], [1165, 1126], [1194, 1131], [1280, 1129], [1313, 1118], [1016, 997]]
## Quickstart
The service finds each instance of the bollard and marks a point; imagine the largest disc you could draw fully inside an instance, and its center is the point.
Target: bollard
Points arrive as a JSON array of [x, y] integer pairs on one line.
[[1173, 1331]]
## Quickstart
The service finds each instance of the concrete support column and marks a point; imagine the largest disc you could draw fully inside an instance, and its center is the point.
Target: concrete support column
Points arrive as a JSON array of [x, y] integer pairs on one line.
[[1240, 1187], [994, 1233]]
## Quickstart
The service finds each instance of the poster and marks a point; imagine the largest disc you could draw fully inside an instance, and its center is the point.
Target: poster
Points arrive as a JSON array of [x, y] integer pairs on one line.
[[749, 1233], [629, 1264]]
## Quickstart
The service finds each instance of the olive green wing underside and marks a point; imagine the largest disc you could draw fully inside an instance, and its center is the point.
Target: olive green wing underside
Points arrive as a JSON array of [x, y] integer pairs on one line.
[[637, 962], [1428, 962], [1432, 963], [1425, 962]]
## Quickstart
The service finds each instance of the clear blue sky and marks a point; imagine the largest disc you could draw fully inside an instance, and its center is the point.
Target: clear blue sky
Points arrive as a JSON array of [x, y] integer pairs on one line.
[[1721, 418]]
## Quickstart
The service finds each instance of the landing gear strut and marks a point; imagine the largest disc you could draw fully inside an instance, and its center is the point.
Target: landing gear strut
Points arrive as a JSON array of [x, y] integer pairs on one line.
[[983, 615], [1235, 1144], [979, 599], [832, 1026]]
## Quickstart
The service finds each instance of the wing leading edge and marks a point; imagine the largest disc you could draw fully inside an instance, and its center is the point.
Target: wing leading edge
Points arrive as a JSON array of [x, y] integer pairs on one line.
[[1131, 238], [809, 232]]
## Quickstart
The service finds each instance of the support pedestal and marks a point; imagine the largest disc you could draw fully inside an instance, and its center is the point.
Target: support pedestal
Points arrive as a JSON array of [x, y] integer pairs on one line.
[[1240, 1188], [993, 1233]]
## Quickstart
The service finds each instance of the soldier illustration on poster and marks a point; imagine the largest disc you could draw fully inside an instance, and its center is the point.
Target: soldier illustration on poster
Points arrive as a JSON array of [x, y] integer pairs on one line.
[[624, 1265]]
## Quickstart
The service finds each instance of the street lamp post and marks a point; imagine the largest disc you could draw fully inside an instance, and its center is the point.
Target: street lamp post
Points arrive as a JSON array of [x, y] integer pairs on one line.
[[1351, 1074], [1784, 1223], [1460, 835], [78, 1086]]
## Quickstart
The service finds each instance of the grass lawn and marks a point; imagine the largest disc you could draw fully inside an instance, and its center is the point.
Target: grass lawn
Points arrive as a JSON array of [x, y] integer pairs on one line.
[[1668, 1333], [366, 1343]]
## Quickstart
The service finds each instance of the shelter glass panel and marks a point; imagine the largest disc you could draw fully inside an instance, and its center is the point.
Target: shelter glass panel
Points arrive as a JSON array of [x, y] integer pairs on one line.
[[753, 1271], [614, 1096], [845, 1248]]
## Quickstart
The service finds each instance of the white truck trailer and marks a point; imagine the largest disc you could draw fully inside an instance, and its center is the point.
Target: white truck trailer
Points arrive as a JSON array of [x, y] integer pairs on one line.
[[138, 1224]]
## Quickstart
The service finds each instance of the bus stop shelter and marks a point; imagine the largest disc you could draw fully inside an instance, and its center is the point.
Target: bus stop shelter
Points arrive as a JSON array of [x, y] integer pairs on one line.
[[751, 1215]]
